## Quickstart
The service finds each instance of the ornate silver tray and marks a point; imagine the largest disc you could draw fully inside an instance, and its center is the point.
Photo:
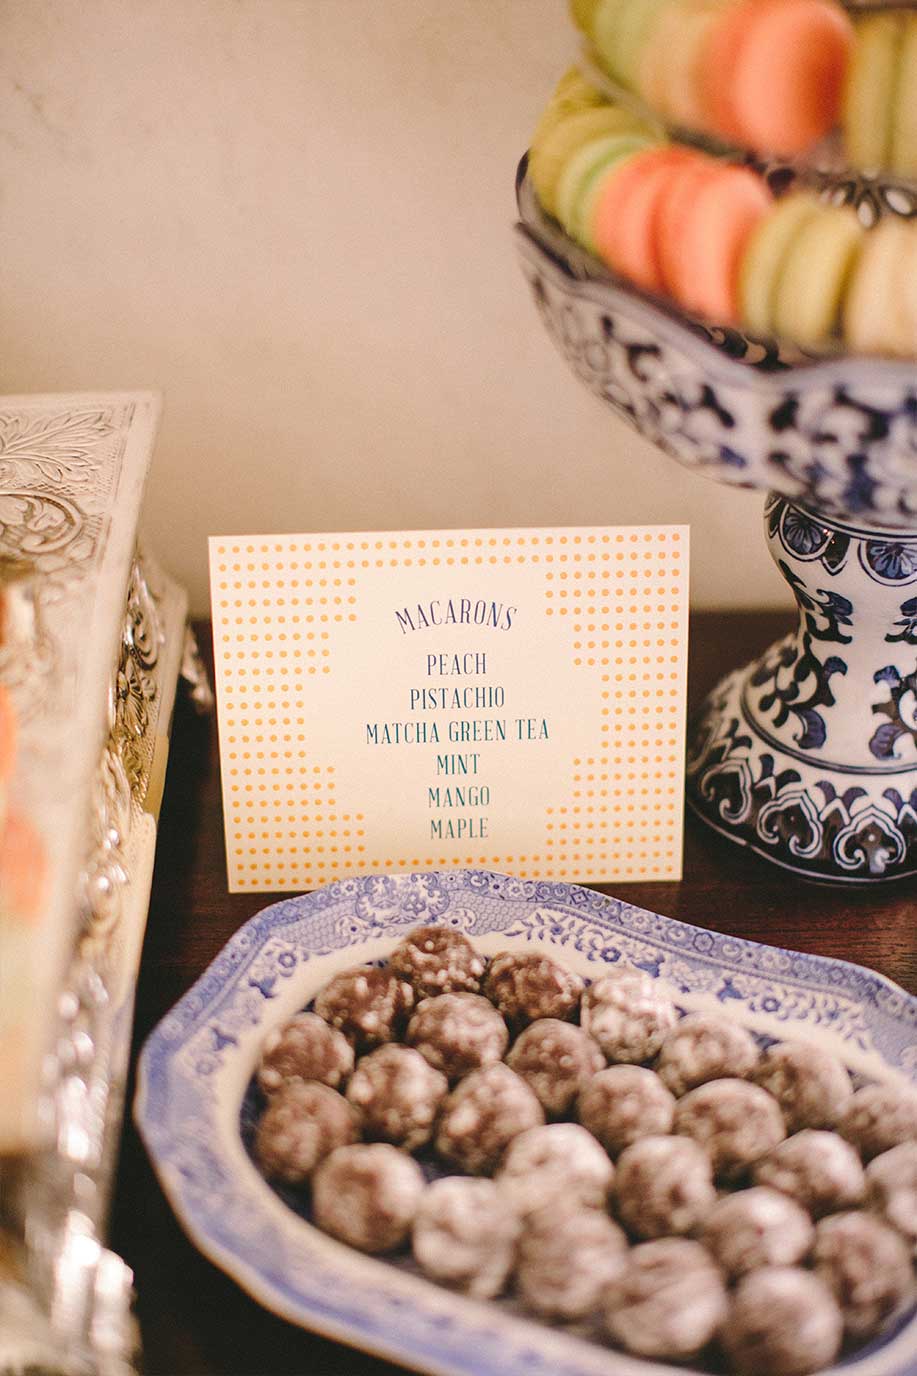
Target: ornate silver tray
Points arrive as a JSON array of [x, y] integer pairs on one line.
[[90, 649]]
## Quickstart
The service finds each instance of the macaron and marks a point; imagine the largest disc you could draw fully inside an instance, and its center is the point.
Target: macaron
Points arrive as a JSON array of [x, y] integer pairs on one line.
[[815, 274], [583, 175], [669, 78], [624, 226], [550, 154], [703, 235], [880, 309], [620, 33], [7, 733], [573, 93], [773, 73], [904, 121], [764, 257], [869, 90], [582, 12], [23, 869]]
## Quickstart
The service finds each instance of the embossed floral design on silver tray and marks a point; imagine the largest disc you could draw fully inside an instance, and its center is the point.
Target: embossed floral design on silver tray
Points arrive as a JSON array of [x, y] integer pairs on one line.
[[196, 1069]]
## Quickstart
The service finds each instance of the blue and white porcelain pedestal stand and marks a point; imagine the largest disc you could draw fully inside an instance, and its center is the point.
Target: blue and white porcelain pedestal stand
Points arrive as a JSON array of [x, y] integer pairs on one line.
[[809, 754]]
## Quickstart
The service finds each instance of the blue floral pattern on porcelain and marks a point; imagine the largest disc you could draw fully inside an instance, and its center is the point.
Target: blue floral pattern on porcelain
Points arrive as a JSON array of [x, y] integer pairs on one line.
[[792, 756], [196, 1068]]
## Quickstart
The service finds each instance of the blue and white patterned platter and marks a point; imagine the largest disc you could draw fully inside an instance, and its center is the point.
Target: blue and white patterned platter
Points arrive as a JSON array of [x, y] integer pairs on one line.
[[196, 1068]]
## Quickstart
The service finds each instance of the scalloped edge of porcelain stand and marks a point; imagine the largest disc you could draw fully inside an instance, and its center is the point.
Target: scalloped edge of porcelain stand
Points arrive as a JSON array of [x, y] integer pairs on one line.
[[807, 756]]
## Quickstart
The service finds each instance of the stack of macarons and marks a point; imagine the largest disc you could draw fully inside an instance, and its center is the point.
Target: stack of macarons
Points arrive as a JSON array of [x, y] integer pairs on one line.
[[880, 100], [709, 236], [765, 74]]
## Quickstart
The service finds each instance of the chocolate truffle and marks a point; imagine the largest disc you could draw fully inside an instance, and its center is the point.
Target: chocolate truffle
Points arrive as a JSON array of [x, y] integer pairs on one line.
[[529, 985], [556, 1060], [481, 1117], [783, 1321], [811, 1086], [736, 1122], [880, 1117], [867, 1266], [891, 1188], [397, 1095], [560, 1163], [628, 1014], [438, 960], [818, 1169], [668, 1299], [624, 1103], [703, 1047], [457, 1033], [566, 1258], [663, 1186], [305, 1048], [757, 1227], [370, 1006], [368, 1196], [302, 1123], [465, 1235]]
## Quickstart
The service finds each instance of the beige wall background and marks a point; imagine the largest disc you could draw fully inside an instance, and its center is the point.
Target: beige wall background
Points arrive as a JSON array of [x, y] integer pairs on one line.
[[294, 218]]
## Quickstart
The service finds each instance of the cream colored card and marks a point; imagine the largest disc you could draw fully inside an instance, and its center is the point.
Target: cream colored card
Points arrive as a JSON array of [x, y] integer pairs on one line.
[[503, 699]]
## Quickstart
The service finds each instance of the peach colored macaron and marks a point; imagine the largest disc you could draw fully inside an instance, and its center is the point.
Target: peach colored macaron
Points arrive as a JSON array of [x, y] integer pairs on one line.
[[704, 242], [23, 869], [626, 209], [772, 72]]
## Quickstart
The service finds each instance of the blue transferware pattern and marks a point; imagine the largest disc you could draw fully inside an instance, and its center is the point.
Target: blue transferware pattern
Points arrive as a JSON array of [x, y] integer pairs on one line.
[[196, 1068], [809, 755]]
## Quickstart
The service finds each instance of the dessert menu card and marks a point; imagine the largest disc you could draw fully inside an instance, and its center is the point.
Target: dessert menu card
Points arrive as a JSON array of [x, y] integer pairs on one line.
[[502, 699]]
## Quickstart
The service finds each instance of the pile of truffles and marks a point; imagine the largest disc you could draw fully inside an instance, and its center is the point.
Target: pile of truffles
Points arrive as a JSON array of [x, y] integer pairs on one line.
[[658, 1175]]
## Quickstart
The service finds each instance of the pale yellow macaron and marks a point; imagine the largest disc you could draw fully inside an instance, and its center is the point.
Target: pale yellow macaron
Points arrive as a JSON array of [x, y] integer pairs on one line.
[[814, 278], [880, 312], [550, 154], [904, 120], [870, 90], [669, 78], [764, 258], [582, 173], [574, 92]]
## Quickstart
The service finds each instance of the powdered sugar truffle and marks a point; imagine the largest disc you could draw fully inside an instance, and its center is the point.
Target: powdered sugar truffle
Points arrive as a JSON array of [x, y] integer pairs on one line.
[[867, 1266], [736, 1122], [302, 1123], [702, 1047], [465, 1235], [556, 1059], [624, 1103], [628, 1015], [369, 1005], [757, 1227], [818, 1169], [561, 1163], [668, 1300], [368, 1196], [811, 1086], [663, 1186], [458, 1033], [481, 1117], [891, 1188], [566, 1259], [305, 1048], [529, 985], [396, 1095], [878, 1118], [438, 960], [783, 1321]]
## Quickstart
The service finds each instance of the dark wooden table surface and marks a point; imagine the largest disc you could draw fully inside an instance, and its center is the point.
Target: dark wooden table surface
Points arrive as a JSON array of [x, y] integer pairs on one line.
[[197, 1322]]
